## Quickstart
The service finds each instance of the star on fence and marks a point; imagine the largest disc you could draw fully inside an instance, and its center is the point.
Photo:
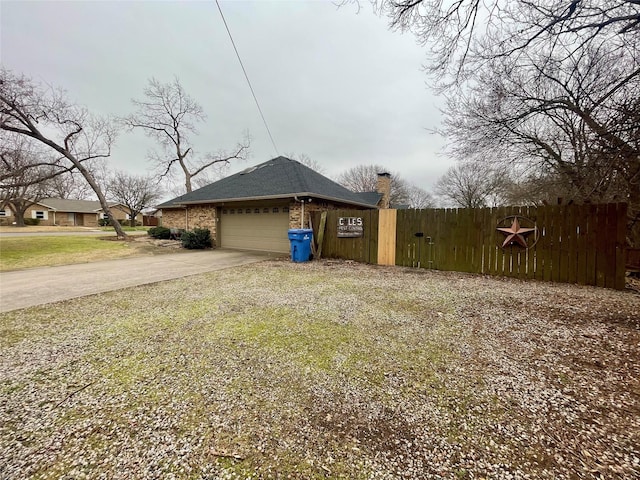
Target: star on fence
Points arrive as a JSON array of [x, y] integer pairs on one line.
[[516, 234]]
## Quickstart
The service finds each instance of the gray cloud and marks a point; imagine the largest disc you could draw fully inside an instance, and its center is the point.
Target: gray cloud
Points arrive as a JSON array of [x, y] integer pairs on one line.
[[333, 84]]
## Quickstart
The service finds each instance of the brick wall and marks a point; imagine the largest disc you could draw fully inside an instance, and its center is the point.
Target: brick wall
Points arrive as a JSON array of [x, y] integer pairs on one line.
[[295, 211], [197, 216], [203, 216], [174, 218], [39, 208]]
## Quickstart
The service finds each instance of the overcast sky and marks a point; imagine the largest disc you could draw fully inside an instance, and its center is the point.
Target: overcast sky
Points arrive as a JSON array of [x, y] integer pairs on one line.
[[333, 83]]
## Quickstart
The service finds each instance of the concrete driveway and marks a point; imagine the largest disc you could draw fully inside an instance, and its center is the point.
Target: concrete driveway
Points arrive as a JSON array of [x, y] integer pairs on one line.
[[38, 286]]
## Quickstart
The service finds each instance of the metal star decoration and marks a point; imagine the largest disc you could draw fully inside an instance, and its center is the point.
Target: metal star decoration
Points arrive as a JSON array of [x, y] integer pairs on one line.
[[516, 234]]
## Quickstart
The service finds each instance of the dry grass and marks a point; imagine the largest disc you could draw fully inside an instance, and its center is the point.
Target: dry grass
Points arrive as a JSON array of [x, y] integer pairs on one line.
[[41, 229], [60, 229], [43, 251], [324, 370]]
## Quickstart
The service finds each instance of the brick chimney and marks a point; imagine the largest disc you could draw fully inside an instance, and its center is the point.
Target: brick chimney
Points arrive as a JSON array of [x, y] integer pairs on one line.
[[384, 188]]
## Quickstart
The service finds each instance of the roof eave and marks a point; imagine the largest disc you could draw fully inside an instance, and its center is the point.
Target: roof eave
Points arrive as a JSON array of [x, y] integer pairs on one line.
[[271, 197]]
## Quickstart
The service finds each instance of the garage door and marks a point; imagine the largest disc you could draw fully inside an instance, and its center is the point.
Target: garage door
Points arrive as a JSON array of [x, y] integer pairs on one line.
[[255, 228]]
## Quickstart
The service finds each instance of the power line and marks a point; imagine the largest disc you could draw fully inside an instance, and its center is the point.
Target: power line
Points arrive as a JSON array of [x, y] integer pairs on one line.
[[247, 77]]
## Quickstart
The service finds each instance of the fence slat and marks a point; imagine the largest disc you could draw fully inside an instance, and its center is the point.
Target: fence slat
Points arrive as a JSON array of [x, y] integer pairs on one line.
[[581, 213], [621, 239], [601, 244]]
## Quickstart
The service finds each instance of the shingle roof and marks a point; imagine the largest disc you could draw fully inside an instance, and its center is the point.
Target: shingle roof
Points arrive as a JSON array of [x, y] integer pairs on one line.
[[370, 197], [279, 177], [77, 206]]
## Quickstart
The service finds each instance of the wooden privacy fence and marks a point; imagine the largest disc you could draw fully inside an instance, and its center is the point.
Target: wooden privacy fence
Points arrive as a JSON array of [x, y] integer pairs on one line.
[[360, 249], [582, 244]]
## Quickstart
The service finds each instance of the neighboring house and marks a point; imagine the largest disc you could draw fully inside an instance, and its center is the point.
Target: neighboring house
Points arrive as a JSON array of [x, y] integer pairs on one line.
[[63, 212], [150, 217], [255, 208], [7, 216]]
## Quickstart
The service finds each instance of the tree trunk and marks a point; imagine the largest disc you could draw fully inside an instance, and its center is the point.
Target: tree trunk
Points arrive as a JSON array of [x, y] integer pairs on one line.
[[96, 188], [35, 133], [19, 218]]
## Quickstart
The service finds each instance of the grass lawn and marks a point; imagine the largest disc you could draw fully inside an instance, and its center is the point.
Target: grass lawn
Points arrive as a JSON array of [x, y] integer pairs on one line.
[[324, 370], [40, 251], [57, 229]]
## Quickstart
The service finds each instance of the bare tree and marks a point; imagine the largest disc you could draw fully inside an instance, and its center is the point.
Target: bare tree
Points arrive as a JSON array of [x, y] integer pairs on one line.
[[16, 171], [134, 192], [69, 185], [472, 185], [25, 187], [462, 32], [419, 198], [40, 114], [574, 123], [307, 161], [364, 178], [170, 116], [547, 86]]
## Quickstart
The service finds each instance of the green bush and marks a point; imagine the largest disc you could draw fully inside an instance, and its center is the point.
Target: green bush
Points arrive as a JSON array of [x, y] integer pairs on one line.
[[199, 238], [104, 222], [159, 232], [32, 221]]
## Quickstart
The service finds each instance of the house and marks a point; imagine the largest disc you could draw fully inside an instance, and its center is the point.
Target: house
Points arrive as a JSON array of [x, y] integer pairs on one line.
[[255, 208], [63, 212]]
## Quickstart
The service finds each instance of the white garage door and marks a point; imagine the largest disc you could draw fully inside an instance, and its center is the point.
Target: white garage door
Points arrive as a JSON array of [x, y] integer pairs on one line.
[[255, 228]]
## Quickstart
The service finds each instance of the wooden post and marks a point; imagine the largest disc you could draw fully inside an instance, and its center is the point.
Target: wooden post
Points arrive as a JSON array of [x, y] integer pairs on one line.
[[387, 237], [323, 223]]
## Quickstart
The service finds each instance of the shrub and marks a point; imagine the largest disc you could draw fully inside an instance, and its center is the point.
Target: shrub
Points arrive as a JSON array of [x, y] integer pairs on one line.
[[104, 222], [199, 238], [159, 232], [32, 221]]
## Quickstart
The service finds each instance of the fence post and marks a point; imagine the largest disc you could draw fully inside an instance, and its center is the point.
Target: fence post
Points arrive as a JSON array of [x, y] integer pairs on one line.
[[387, 237]]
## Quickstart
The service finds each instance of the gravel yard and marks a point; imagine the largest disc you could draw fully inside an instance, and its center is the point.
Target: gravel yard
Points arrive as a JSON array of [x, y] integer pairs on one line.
[[324, 370]]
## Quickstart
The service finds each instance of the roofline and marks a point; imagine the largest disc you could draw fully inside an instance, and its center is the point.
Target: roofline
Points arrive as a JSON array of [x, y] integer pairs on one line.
[[270, 197], [45, 205], [95, 210]]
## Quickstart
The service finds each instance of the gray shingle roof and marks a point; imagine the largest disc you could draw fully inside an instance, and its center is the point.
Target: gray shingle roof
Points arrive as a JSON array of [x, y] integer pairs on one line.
[[76, 206], [370, 197], [279, 177]]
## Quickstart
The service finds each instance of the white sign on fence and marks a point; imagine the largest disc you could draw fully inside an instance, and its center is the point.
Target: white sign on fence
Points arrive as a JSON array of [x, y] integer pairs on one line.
[[350, 227]]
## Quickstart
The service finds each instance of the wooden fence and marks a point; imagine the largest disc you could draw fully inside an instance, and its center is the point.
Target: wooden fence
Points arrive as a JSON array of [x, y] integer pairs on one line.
[[582, 244], [360, 249]]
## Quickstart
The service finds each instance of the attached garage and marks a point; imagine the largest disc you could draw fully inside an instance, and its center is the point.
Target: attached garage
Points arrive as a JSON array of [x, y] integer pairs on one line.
[[255, 228], [255, 208]]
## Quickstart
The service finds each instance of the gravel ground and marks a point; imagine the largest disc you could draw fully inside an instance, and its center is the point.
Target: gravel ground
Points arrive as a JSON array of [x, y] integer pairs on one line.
[[324, 370]]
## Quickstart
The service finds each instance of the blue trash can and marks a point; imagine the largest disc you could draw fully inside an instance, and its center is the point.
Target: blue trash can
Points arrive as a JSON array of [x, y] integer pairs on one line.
[[300, 240]]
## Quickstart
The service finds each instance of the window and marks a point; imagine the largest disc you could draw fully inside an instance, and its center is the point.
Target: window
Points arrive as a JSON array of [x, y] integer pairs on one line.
[[232, 211], [104, 216], [39, 214], [239, 211], [224, 211], [265, 210], [275, 210], [248, 210], [257, 210], [285, 210], [3, 213]]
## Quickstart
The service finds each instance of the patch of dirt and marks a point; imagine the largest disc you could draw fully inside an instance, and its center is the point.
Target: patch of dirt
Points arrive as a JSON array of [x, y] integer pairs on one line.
[[632, 282], [156, 242]]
